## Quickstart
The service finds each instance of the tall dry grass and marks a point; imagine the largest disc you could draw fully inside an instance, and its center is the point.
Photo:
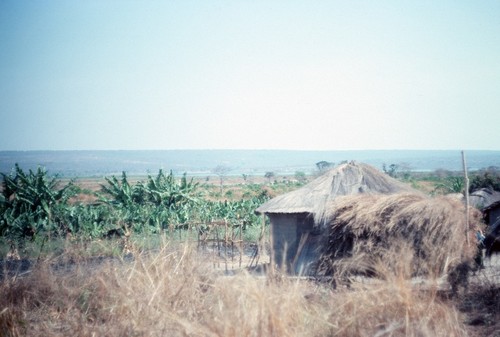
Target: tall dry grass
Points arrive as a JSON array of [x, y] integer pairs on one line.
[[175, 292], [364, 230]]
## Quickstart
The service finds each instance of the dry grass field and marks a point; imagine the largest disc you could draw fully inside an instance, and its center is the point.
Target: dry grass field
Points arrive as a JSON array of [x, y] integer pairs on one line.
[[176, 291]]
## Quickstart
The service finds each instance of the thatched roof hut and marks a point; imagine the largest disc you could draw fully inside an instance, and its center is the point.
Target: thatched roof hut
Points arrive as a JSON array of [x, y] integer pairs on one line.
[[484, 198], [296, 217], [488, 201], [346, 179]]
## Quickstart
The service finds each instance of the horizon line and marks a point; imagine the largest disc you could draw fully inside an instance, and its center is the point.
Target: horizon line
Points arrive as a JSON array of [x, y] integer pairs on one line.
[[242, 149]]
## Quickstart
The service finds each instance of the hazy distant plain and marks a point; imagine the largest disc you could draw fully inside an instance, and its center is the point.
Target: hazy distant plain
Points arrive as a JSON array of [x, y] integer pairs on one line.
[[251, 162]]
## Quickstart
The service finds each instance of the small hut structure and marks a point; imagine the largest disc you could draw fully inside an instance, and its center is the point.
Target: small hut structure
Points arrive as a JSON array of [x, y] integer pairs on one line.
[[487, 201], [492, 213], [296, 218]]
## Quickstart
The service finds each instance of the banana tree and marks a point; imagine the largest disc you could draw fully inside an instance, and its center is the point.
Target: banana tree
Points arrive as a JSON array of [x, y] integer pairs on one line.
[[451, 185], [29, 200], [122, 193], [164, 190]]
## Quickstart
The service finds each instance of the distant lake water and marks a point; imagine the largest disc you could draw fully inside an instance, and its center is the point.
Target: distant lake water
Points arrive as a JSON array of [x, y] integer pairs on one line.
[[251, 162]]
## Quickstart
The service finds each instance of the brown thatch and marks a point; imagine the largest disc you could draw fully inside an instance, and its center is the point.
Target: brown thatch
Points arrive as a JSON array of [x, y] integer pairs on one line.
[[484, 198], [346, 179], [369, 226]]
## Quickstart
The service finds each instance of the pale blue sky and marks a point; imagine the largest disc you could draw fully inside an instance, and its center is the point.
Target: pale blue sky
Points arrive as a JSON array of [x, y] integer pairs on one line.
[[305, 75]]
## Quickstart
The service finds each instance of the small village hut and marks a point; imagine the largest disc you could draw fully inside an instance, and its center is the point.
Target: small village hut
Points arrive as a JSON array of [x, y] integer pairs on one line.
[[296, 217], [487, 201]]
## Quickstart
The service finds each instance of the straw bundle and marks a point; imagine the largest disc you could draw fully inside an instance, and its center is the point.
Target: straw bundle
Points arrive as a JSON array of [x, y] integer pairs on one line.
[[371, 228]]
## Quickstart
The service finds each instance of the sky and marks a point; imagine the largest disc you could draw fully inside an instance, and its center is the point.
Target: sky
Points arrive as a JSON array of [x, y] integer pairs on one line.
[[270, 74]]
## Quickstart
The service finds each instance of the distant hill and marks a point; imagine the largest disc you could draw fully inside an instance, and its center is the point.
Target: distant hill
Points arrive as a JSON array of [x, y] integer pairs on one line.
[[252, 162]]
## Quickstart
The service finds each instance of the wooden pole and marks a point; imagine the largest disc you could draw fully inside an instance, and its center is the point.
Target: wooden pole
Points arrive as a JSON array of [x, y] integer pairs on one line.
[[225, 244], [218, 244], [466, 193], [232, 238], [241, 244]]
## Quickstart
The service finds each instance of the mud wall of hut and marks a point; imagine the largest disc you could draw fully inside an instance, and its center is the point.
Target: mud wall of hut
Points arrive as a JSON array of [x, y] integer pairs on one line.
[[494, 215], [295, 241]]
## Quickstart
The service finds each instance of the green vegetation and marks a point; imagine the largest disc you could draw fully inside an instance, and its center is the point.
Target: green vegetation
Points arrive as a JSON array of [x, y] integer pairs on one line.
[[269, 175], [443, 181], [486, 178], [451, 184], [32, 203], [35, 207], [324, 165]]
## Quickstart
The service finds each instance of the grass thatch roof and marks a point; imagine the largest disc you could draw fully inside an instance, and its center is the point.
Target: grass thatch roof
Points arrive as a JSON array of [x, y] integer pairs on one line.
[[346, 179], [484, 198], [433, 229]]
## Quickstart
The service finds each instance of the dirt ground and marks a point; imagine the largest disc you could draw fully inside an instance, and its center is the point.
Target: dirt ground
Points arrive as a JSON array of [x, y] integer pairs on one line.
[[480, 302]]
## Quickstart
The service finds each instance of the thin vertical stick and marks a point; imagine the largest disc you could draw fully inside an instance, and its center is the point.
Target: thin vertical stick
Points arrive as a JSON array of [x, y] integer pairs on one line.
[[218, 243], [225, 243], [241, 245], [225, 237], [198, 228], [232, 246], [214, 244], [466, 192]]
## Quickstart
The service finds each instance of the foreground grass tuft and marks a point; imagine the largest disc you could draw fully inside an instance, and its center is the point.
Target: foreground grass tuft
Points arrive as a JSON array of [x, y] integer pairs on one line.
[[174, 292]]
